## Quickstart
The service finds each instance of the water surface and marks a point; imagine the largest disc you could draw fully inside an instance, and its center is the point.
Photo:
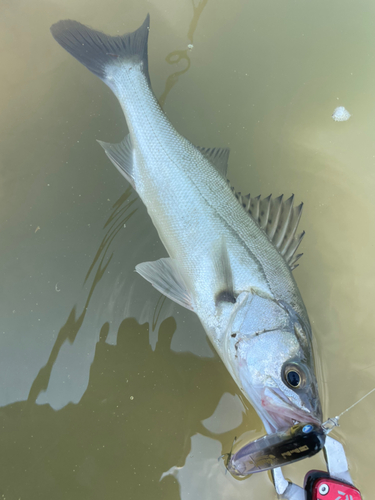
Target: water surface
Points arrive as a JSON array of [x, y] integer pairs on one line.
[[108, 390]]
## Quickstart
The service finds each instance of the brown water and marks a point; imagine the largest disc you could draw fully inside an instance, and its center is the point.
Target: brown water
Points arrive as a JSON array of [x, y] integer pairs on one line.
[[104, 385]]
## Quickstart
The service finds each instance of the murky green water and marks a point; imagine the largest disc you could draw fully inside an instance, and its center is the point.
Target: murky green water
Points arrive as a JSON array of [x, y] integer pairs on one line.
[[104, 385]]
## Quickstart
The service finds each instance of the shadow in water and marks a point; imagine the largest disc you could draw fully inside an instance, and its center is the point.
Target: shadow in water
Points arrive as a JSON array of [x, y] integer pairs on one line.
[[116, 442]]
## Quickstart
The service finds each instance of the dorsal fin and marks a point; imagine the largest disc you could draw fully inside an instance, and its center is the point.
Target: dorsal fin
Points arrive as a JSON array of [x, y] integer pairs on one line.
[[279, 220], [218, 157]]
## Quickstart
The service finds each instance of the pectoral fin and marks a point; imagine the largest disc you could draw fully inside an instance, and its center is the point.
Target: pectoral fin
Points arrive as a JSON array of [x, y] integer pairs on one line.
[[164, 275]]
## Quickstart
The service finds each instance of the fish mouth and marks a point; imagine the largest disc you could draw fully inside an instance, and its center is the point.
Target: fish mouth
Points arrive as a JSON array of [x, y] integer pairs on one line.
[[278, 413]]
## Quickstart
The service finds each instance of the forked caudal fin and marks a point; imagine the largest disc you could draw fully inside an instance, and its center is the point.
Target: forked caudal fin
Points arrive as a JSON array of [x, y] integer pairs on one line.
[[100, 52]]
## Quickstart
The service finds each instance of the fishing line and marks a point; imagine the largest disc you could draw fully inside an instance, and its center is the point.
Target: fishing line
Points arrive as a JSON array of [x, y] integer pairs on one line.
[[359, 400], [329, 424]]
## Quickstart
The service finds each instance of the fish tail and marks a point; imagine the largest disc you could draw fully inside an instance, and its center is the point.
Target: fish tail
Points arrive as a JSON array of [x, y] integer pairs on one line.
[[103, 54]]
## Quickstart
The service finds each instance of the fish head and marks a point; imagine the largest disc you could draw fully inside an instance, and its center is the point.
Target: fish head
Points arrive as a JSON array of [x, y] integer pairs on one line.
[[272, 358]]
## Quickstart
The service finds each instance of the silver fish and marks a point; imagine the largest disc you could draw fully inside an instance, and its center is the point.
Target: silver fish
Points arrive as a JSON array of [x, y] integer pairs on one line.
[[230, 256]]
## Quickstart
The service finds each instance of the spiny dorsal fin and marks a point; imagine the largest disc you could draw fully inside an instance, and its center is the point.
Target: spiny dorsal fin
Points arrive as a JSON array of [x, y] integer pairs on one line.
[[218, 157], [279, 220]]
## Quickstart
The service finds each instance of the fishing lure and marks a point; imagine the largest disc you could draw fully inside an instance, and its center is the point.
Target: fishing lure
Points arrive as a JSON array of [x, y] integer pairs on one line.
[[278, 449], [282, 448]]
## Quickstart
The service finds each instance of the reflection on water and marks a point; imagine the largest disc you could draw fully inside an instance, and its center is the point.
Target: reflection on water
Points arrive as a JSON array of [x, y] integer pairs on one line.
[[211, 480], [118, 218], [137, 401], [116, 221], [95, 404]]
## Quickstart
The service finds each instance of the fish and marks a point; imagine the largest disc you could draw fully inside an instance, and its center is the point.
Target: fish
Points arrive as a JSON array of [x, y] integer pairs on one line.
[[231, 256]]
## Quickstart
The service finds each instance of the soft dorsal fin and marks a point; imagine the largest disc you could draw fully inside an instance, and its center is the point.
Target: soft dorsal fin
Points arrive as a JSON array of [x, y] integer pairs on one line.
[[279, 220], [121, 155], [218, 157], [164, 275]]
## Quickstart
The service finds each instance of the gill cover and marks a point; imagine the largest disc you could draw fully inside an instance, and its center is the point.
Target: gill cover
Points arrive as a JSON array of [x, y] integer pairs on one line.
[[270, 352]]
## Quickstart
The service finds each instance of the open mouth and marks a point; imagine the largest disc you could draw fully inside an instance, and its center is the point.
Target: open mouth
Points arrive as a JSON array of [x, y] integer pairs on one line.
[[279, 414], [278, 421]]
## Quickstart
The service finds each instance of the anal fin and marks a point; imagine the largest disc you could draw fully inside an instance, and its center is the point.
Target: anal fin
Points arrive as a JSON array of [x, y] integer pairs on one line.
[[163, 275], [121, 155]]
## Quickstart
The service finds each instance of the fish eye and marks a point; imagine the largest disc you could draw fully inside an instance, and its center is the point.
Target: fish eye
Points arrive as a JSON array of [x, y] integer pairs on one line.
[[294, 377]]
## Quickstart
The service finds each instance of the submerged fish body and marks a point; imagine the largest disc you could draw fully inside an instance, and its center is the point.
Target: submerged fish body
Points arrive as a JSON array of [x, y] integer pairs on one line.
[[230, 257]]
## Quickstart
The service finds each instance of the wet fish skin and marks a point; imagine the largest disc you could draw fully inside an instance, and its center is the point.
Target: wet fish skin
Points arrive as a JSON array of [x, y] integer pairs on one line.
[[222, 265]]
